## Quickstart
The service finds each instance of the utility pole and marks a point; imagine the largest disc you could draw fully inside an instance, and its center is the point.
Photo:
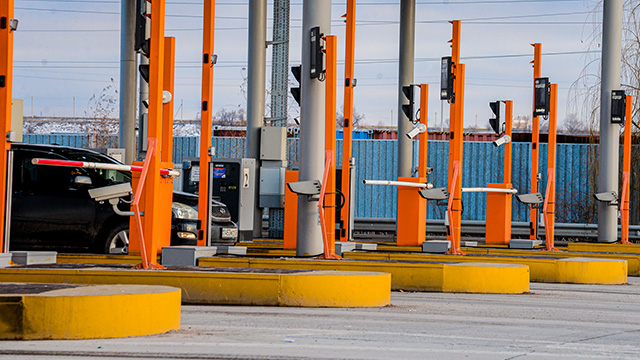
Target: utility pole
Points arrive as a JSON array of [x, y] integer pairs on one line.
[[535, 143], [255, 94], [128, 76], [315, 13], [609, 133], [405, 78]]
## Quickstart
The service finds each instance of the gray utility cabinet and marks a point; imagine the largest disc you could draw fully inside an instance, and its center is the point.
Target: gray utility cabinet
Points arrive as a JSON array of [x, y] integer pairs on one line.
[[234, 182]]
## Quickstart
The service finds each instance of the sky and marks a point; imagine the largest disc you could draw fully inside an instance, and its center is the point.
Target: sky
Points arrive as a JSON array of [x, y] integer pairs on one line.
[[67, 51]]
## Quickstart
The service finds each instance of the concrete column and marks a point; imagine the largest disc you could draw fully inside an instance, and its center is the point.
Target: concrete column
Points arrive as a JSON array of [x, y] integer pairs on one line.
[[255, 94], [312, 131], [407, 45], [609, 133], [127, 136]]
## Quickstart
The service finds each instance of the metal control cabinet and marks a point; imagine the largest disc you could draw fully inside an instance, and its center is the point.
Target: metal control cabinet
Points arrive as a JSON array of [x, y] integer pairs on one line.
[[234, 181]]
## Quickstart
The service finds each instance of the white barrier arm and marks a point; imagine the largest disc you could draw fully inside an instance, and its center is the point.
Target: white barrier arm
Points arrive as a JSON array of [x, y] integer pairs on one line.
[[398, 183]]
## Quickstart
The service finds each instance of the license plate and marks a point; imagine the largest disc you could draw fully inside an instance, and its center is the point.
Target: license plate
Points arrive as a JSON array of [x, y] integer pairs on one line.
[[229, 233]]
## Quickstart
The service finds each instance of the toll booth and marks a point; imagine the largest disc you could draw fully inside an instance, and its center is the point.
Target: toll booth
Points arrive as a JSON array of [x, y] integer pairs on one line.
[[234, 181]]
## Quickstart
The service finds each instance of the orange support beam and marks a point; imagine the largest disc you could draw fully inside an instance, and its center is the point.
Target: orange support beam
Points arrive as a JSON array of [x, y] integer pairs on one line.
[[455, 138], [167, 109], [626, 174], [6, 86], [347, 126], [206, 115], [330, 136], [550, 196], [423, 138], [535, 143], [499, 205]]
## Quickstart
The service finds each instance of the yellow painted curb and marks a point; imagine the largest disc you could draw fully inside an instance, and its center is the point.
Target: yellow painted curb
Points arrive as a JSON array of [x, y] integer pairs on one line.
[[542, 269], [633, 260], [231, 288], [413, 276], [88, 312], [609, 248]]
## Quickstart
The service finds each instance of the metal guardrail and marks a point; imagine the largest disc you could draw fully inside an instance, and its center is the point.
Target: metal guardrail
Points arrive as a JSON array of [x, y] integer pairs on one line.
[[477, 228]]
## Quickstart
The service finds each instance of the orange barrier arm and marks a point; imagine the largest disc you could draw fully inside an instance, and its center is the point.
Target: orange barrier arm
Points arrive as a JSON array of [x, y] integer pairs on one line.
[[148, 255], [347, 126], [206, 113], [535, 143], [455, 235], [328, 242], [6, 85], [626, 174], [330, 131], [550, 196]]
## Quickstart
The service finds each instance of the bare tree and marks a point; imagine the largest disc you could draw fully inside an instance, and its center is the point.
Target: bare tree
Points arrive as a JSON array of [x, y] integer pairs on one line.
[[573, 126], [101, 117], [357, 120]]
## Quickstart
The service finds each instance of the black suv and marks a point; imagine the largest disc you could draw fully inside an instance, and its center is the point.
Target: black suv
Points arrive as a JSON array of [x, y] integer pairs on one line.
[[52, 209]]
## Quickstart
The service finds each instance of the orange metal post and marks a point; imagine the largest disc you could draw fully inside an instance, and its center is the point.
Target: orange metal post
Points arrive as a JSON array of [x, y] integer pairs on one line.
[[330, 136], [6, 72], [290, 211], [508, 130], [155, 219], [455, 136], [167, 109], [626, 174], [535, 143], [347, 126], [206, 113], [550, 196], [423, 139]]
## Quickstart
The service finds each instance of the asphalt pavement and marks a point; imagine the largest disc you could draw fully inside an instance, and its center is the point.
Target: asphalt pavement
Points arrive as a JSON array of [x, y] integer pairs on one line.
[[554, 321]]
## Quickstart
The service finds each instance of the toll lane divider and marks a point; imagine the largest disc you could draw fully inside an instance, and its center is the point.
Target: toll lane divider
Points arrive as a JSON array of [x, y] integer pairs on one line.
[[633, 260], [604, 247], [87, 312], [407, 275], [230, 286], [542, 269]]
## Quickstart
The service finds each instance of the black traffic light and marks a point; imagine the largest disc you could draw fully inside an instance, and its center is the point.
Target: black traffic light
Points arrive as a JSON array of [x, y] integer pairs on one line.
[[446, 80], [542, 97], [408, 108], [618, 106], [317, 55], [141, 42], [495, 123], [295, 91]]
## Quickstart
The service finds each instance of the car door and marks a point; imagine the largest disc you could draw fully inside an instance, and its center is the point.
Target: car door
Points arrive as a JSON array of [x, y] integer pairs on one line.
[[49, 210]]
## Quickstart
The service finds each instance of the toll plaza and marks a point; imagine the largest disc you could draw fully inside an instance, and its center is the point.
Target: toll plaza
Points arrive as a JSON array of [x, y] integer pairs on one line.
[[317, 262]]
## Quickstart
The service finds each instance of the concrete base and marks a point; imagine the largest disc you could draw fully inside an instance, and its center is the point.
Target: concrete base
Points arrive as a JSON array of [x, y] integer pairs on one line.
[[412, 276], [345, 246], [188, 255], [436, 246], [603, 247], [273, 287], [36, 312], [5, 259], [543, 269], [33, 257], [524, 244], [468, 243]]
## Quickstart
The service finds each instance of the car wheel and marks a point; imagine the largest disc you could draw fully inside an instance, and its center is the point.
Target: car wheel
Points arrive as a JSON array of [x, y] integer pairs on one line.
[[117, 240]]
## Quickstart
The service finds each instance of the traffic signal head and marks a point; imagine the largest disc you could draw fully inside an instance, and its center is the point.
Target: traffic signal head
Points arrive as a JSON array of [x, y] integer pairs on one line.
[[542, 97], [295, 91], [618, 106], [446, 80], [495, 122], [317, 55], [141, 42], [408, 108], [144, 72]]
